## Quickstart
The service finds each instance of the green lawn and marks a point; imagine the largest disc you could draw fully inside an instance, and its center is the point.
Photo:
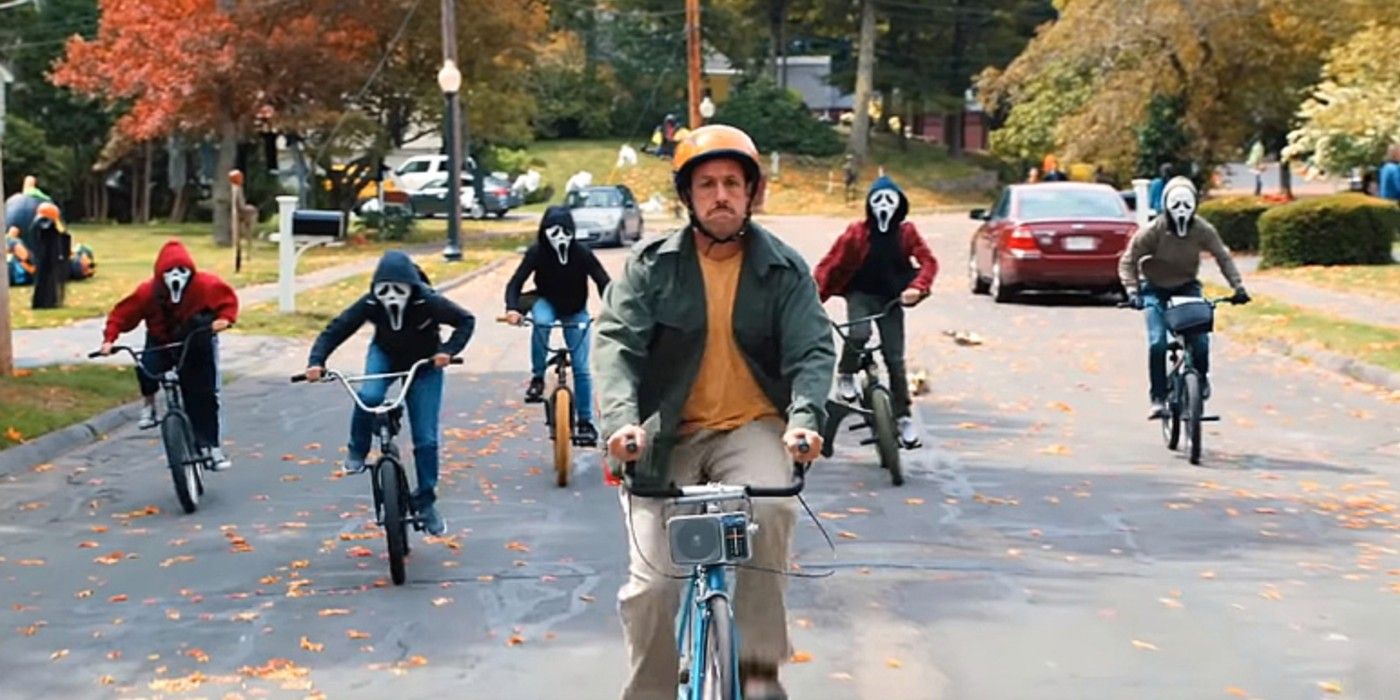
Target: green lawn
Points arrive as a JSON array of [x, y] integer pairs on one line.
[[801, 187], [1377, 281], [46, 399], [1266, 319], [125, 255], [316, 307]]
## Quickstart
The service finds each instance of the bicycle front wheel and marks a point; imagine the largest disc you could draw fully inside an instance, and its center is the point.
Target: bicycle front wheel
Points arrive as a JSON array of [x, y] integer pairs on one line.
[[562, 405], [1191, 401], [395, 509], [176, 434], [886, 433], [720, 681], [1171, 422]]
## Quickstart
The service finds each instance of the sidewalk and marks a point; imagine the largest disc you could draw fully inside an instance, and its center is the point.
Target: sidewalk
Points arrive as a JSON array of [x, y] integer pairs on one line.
[[71, 343], [1358, 308]]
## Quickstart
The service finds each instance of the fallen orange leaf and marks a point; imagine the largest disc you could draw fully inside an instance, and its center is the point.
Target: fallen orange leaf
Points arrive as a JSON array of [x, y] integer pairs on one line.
[[801, 657], [1145, 646], [87, 544], [893, 663], [515, 640], [13, 435], [309, 645], [58, 654], [118, 598], [356, 634], [847, 535], [1330, 687], [1237, 692], [358, 551], [439, 602], [518, 547], [333, 612], [914, 501]]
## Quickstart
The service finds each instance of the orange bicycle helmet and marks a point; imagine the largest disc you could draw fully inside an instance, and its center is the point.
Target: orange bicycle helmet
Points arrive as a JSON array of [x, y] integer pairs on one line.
[[711, 142]]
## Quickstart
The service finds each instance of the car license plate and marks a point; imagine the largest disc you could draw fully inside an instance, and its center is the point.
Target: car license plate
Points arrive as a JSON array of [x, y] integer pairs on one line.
[[1081, 243]]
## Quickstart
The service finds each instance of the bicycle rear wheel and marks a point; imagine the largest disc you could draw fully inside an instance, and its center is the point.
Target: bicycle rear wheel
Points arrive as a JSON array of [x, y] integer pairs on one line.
[[562, 405], [395, 509], [1191, 401], [720, 681], [886, 432], [180, 457]]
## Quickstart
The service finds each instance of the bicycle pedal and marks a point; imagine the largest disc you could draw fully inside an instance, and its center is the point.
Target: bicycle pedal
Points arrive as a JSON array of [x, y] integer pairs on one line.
[[869, 441], [858, 426], [1210, 419]]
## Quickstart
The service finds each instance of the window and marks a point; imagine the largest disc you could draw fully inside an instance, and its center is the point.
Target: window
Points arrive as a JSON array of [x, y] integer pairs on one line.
[[1064, 203], [414, 166], [594, 198], [1003, 207]]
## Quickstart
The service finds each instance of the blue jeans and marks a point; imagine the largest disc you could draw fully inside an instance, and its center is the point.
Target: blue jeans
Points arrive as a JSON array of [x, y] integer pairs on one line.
[[424, 402], [1154, 301], [576, 339]]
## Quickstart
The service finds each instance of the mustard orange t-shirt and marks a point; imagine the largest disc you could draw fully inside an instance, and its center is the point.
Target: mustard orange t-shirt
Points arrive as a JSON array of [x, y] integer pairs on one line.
[[725, 395]]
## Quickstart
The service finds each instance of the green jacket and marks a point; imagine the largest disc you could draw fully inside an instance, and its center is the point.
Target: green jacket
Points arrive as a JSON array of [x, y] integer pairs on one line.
[[651, 336]]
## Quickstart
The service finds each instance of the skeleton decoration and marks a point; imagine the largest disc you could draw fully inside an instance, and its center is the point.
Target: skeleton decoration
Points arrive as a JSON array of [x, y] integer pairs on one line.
[[1179, 203], [177, 280], [394, 297], [884, 203], [559, 239]]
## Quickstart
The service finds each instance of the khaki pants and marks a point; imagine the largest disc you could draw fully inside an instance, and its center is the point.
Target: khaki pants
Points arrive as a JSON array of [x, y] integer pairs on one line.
[[753, 454]]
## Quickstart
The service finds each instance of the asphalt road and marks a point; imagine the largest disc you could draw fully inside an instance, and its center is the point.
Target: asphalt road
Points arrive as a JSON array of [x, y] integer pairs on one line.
[[1046, 545]]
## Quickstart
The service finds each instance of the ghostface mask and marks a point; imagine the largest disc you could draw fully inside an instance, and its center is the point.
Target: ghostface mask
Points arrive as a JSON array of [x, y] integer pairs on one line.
[[1180, 205], [177, 280], [559, 239], [394, 297], [884, 204]]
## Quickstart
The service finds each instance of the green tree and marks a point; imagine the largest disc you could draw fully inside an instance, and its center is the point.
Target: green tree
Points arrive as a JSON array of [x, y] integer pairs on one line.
[[777, 120], [1353, 113]]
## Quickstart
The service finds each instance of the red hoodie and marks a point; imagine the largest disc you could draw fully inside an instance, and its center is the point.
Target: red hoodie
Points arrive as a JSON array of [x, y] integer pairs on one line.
[[835, 271], [150, 302]]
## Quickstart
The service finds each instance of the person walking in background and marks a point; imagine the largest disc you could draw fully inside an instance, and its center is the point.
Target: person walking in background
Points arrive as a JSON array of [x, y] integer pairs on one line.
[[1389, 177], [848, 171], [1033, 175], [1154, 188], [1255, 161]]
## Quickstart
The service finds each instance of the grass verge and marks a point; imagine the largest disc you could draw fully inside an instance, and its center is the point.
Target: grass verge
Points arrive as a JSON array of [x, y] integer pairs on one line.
[[1375, 281], [126, 255], [316, 307], [1266, 319], [34, 402], [802, 185]]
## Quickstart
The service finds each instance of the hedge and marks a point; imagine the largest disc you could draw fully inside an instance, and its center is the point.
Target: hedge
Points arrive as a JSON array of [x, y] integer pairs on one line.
[[1343, 229], [1237, 220]]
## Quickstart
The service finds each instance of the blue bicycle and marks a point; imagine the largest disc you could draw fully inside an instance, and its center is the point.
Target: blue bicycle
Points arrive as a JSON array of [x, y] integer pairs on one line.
[[710, 543]]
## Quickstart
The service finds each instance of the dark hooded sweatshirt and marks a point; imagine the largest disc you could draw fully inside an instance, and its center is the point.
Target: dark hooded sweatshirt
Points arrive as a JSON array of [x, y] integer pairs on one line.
[[205, 299], [564, 284], [418, 336]]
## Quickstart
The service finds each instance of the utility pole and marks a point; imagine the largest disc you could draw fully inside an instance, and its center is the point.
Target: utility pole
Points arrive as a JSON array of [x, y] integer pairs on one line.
[[7, 352], [692, 37], [865, 81]]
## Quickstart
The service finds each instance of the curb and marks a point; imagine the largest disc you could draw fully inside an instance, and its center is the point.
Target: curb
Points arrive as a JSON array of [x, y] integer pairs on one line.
[[1363, 372], [48, 446]]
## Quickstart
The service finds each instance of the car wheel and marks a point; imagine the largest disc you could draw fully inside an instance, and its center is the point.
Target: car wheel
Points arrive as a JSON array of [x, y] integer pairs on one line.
[[975, 281], [477, 211], [999, 290], [501, 214]]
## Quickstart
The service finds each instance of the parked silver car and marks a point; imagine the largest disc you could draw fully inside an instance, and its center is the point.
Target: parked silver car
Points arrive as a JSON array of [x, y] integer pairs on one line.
[[605, 215]]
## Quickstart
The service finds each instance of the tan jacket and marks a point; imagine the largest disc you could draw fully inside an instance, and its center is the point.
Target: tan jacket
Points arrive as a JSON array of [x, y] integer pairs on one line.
[[1177, 260]]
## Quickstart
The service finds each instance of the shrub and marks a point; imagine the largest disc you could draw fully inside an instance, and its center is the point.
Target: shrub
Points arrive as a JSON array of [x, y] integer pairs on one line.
[[777, 120], [544, 193], [1237, 220], [395, 223], [1342, 229]]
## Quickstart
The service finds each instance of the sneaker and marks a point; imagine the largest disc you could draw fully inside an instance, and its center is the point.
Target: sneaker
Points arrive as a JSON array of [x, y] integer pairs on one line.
[[435, 524], [353, 465], [909, 433], [148, 418], [535, 392], [846, 387], [586, 435], [218, 461], [1159, 410]]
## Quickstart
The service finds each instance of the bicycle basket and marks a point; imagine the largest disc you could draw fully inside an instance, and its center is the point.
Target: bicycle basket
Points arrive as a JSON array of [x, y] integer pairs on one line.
[[1189, 315]]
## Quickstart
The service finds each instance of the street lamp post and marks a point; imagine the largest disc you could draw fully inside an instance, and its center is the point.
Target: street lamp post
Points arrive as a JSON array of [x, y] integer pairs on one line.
[[707, 109], [450, 80]]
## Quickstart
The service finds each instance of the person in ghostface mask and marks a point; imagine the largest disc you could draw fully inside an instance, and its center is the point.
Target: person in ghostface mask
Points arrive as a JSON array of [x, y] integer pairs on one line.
[[406, 314], [561, 268], [176, 304], [872, 264], [1174, 241]]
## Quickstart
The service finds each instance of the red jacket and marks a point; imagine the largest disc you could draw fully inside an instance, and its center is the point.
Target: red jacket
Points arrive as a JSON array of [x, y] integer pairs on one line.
[[150, 302], [835, 271]]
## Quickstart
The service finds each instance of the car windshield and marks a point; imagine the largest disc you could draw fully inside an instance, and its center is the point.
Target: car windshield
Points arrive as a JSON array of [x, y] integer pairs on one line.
[[1065, 203], [595, 198]]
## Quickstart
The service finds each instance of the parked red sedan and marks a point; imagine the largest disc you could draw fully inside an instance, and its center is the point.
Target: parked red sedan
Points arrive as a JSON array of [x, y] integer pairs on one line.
[[1051, 235]]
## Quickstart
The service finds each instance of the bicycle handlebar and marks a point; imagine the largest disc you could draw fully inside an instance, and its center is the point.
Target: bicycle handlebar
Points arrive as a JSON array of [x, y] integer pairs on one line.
[[841, 328], [346, 381], [136, 354], [1233, 299], [528, 321], [799, 477]]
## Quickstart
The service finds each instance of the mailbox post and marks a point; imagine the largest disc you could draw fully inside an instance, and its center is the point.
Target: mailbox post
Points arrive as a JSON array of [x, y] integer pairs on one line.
[[298, 232]]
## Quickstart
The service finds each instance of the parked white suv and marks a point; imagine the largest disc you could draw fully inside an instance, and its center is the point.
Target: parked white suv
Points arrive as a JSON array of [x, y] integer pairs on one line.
[[418, 171]]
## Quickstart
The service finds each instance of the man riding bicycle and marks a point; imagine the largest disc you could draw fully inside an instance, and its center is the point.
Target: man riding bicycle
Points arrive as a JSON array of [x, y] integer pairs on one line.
[[406, 314], [714, 358], [1174, 241], [561, 267], [176, 303], [870, 265]]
